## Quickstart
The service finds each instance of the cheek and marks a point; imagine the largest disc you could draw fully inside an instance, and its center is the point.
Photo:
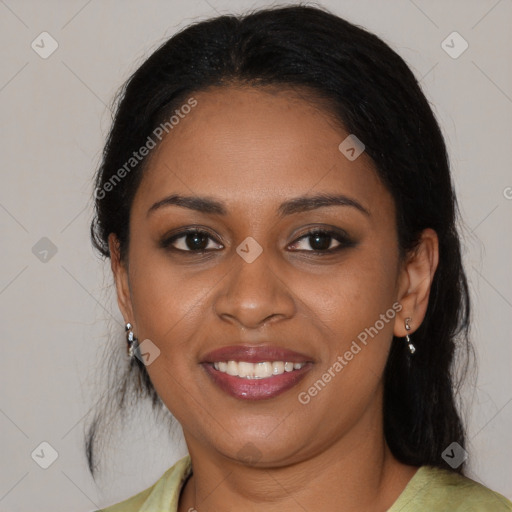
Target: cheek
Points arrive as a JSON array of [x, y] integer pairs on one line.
[[356, 346], [169, 310], [354, 305], [354, 294], [167, 303]]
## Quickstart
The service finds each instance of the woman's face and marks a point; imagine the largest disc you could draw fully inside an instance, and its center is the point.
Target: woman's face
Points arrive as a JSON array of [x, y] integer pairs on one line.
[[263, 290]]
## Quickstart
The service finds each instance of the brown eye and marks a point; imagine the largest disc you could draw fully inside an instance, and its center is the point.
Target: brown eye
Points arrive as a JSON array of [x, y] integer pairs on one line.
[[322, 241], [191, 240]]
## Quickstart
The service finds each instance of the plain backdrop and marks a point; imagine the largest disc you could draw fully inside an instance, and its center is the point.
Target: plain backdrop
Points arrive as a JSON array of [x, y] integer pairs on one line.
[[56, 301]]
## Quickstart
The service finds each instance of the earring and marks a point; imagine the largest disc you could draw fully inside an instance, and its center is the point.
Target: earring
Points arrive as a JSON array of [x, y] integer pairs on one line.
[[130, 339], [412, 348]]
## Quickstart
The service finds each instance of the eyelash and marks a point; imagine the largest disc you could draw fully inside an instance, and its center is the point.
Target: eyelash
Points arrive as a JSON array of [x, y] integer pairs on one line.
[[343, 239]]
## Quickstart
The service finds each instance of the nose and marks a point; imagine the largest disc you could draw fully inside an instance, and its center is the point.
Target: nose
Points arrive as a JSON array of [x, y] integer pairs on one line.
[[254, 294]]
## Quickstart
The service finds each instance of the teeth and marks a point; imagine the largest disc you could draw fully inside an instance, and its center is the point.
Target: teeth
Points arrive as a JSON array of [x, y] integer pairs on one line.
[[277, 367], [232, 368], [244, 369], [261, 370]]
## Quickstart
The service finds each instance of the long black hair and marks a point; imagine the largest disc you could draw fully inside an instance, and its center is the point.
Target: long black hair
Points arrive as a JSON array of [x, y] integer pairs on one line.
[[372, 92]]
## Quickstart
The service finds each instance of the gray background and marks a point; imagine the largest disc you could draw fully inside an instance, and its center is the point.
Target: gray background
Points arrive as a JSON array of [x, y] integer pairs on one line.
[[56, 315]]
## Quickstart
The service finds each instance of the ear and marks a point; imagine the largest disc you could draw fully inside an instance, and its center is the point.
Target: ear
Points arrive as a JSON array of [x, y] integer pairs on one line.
[[120, 271], [415, 281]]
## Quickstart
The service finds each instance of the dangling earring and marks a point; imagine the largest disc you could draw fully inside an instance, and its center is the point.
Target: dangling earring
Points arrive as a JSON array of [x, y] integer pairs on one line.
[[130, 339], [412, 348]]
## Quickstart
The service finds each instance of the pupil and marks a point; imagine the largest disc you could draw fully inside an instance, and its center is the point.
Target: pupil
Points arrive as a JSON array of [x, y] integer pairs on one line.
[[320, 241], [199, 241]]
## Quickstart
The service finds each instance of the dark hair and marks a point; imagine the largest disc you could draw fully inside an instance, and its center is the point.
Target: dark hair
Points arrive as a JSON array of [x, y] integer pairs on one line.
[[374, 95]]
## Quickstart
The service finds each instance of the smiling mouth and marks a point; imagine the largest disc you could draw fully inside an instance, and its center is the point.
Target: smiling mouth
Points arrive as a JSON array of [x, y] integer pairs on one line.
[[262, 370], [256, 381], [255, 372]]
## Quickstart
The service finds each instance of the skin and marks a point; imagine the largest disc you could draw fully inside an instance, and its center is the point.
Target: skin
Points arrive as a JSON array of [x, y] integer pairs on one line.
[[252, 149]]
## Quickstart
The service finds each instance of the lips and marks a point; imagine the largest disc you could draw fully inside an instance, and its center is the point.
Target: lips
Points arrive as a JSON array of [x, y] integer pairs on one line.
[[253, 354], [252, 387]]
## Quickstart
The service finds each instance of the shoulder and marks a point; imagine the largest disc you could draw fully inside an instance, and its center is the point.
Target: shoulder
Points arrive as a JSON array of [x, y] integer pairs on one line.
[[164, 491], [132, 504], [446, 491]]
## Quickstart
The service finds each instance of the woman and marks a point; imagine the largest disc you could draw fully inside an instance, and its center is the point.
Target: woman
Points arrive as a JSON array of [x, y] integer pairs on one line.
[[276, 201]]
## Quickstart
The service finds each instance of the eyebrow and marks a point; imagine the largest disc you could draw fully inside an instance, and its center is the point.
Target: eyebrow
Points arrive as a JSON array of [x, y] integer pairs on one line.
[[290, 207]]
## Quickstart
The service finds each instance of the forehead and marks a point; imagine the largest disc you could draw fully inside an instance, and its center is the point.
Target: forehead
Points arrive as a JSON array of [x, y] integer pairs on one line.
[[250, 145]]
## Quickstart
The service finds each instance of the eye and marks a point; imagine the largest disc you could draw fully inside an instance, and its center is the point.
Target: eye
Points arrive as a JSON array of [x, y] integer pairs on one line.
[[322, 241], [199, 241], [191, 240]]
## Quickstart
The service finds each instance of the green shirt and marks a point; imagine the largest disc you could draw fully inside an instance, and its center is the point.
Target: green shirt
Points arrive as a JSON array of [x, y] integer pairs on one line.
[[430, 489]]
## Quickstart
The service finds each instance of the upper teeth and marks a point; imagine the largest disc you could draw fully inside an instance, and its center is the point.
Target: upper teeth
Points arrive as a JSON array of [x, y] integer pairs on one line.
[[256, 370]]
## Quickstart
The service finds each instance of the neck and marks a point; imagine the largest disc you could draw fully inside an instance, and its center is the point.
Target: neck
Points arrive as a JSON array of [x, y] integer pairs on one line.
[[355, 473]]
